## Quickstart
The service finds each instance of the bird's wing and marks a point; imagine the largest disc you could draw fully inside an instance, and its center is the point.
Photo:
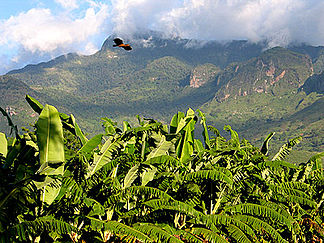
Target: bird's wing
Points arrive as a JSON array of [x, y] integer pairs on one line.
[[118, 41], [127, 47]]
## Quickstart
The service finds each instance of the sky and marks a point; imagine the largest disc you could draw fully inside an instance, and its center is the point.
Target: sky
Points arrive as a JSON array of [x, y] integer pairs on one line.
[[32, 31]]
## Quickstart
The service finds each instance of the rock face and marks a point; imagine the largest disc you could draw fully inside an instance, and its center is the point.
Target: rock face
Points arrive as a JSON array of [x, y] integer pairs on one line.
[[275, 71], [203, 74]]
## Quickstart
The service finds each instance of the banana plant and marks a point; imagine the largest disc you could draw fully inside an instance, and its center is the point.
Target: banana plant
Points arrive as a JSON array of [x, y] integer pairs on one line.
[[50, 142], [148, 183]]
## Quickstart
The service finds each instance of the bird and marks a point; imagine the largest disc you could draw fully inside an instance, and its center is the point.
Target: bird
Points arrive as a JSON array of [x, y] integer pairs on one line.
[[120, 43]]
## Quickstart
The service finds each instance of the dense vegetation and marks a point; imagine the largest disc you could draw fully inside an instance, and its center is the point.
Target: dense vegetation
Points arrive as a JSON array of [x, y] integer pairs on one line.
[[237, 83], [153, 183]]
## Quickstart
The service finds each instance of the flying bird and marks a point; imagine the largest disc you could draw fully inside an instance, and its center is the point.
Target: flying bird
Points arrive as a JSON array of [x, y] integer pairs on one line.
[[120, 43]]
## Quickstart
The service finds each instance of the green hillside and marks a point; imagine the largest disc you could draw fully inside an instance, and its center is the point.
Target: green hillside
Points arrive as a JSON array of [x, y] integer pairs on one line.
[[238, 83], [12, 100]]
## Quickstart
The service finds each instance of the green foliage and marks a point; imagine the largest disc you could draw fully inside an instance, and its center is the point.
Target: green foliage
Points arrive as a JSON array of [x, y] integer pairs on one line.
[[274, 90], [153, 183]]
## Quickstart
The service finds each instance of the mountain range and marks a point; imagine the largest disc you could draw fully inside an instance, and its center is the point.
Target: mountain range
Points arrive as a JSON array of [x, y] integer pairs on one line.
[[253, 88]]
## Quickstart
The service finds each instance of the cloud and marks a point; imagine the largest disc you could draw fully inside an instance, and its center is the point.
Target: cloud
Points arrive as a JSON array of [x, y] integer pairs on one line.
[[40, 33], [131, 16], [40, 30], [69, 4], [278, 21]]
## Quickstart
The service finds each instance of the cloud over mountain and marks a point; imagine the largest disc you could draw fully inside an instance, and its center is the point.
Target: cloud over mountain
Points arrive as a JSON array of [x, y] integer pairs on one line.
[[278, 21], [81, 25]]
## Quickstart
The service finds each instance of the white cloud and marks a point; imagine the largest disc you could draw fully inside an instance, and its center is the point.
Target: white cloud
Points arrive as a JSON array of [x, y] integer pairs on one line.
[[40, 30], [39, 33], [89, 49], [280, 21], [69, 4], [130, 16]]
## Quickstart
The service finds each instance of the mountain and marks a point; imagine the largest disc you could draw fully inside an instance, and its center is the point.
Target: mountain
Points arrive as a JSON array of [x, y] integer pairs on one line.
[[240, 83], [160, 74], [12, 100]]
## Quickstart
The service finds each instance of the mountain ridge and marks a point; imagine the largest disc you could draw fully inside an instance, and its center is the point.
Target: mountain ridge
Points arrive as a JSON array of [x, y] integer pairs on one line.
[[166, 75]]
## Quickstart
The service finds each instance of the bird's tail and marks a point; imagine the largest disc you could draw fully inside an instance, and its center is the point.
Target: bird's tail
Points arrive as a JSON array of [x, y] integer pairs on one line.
[[115, 45]]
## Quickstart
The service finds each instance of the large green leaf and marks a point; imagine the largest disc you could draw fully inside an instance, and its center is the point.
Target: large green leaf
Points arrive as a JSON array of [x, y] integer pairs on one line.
[[70, 189], [237, 234], [3, 144], [131, 176], [78, 131], [164, 163], [35, 105], [50, 141], [265, 147], [51, 152], [137, 191], [90, 145], [175, 121], [105, 155], [185, 147], [205, 131], [213, 220], [174, 205], [199, 147], [317, 159], [148, 175], [235, 141], [161, 149]]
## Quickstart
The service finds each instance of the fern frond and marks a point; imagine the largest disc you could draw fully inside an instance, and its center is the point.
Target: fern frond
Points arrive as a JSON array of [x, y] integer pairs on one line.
[[260, 211], [209, 235], [157, 204], [214, 175], [225, 220], [260, 226], [287, 189], [144, 192], [237, 234], [119, 229], [70, 189], [156, 233], [36, 227], [276, 164], [187, 236], [284, 151], [163, 161], [297, 199]]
